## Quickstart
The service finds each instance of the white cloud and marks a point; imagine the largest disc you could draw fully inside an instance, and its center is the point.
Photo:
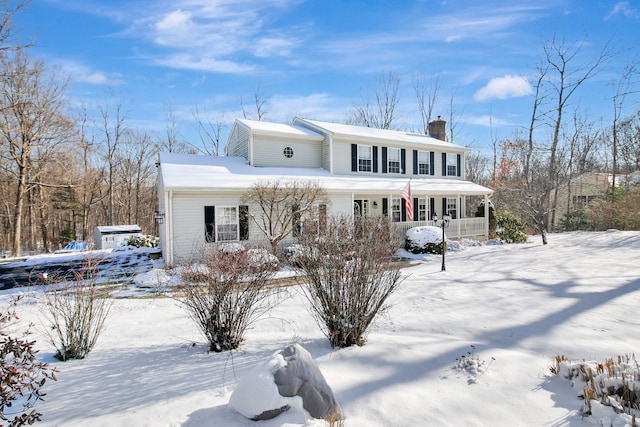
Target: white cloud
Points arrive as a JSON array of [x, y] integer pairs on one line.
[[203, 63], [82, 74], [622, 8], [216, 31], [508, 86]]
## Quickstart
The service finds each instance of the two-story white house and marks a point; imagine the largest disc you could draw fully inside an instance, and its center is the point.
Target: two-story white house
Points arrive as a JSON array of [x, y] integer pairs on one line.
[[363, 171]]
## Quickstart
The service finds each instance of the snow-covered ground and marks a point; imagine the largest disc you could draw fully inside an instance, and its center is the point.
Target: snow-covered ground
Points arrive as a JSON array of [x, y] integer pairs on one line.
[[514, 307]]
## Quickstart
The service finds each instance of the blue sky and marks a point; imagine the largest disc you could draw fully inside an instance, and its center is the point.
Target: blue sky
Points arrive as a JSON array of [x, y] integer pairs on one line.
[[314, 58]]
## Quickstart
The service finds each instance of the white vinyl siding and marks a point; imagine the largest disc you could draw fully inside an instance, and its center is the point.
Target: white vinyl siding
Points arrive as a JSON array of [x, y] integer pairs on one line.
[[268, 152], [341, 158], [238, 145], [326, 153]]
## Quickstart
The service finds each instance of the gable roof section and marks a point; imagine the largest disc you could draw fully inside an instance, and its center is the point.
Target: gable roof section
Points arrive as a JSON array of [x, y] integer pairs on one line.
[[280, 129], [198, 173], [363, 133]]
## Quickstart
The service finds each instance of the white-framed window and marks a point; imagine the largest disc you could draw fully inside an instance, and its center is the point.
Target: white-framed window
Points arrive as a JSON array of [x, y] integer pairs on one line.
[[365, 158], [396, 212], [452, 207], [393, 160], [452, 165], [423, 209], [226, 223], [424, 166]]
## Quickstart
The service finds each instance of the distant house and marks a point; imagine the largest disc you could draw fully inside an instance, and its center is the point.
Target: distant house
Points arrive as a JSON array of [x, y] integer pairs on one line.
[[363, 171], [582, 190]]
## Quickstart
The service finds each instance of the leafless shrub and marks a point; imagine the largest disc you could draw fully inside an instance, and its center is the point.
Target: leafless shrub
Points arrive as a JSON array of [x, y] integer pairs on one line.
[[76, 312], [22, 376], [226, 293], [349, 275]]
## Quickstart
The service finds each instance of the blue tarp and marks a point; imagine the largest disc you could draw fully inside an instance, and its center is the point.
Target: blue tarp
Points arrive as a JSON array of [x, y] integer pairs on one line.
[[77, 245]]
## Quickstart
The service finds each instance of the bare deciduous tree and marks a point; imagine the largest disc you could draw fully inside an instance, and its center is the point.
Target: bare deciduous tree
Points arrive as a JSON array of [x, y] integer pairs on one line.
[[426, 91], [565, 78], [31, 119], [260, 103], [282, 206], [114, 129], [379, 113], [210, 131]]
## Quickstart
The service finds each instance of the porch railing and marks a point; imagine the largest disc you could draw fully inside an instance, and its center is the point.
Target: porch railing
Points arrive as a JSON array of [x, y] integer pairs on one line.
[[464, 227]]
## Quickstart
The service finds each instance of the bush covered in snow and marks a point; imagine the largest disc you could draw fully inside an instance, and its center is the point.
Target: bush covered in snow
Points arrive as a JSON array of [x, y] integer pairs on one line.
[[142, 241], [510, 228], [424, 240]]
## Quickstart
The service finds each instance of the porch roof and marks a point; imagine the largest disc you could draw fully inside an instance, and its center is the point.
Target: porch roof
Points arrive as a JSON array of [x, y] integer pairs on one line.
[[199, 173]]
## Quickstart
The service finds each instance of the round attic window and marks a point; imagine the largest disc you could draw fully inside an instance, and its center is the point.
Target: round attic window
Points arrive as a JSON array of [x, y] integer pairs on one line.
[[288, 152]]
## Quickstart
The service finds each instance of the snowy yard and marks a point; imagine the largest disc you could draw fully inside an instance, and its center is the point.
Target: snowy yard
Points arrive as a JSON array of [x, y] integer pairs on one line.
[[515, 307]]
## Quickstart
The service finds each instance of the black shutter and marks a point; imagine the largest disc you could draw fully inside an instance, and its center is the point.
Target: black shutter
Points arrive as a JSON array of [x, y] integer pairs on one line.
[[403, 161], [459, 163], [403, 210], [354, 158], [375, 158], [432, 207], [415, 208], [384, 159], [444, 164], [243, 217], [209, 223], [444, 206], [385, 207], [415, 162], [432, 161]]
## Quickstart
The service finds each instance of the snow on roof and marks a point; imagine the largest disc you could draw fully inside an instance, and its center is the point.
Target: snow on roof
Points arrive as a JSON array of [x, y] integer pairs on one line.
[[110, 229], [190, 172], [342, 130], [279, 128]]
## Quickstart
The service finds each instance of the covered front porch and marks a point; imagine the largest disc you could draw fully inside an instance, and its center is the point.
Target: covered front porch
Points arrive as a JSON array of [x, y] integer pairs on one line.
[[424, 208]]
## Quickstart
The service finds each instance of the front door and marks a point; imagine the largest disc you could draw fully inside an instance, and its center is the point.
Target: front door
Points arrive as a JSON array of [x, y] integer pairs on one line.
[[360, 208]]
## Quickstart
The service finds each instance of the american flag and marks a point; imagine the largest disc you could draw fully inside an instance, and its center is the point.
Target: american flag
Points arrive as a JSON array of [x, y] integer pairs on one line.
[[406, 195]]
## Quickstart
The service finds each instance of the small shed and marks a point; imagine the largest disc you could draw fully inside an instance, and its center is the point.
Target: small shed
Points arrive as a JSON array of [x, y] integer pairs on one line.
[[112, 236]]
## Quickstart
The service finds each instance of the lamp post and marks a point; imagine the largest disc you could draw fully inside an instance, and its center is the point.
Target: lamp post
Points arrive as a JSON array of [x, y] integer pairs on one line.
[[444, 223]]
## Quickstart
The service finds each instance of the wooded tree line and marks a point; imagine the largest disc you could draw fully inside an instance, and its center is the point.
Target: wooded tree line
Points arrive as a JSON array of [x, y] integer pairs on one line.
[[62, 175]]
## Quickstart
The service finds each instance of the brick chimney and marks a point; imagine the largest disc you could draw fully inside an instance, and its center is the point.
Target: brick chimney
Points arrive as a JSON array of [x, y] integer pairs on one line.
[[438, 129]]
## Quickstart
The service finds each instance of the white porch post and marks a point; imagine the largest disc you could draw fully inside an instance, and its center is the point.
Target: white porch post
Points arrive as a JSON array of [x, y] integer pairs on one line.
[[486, 216], [459, 221]]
